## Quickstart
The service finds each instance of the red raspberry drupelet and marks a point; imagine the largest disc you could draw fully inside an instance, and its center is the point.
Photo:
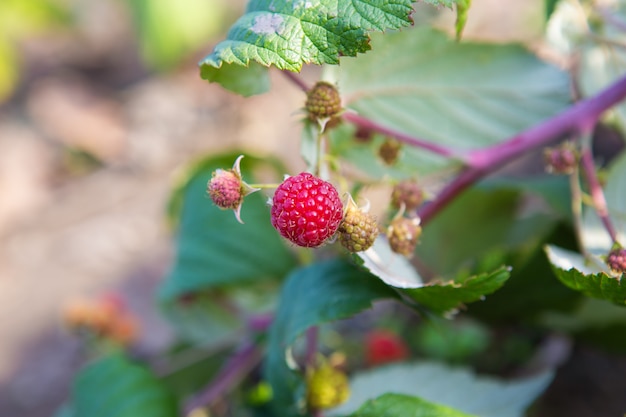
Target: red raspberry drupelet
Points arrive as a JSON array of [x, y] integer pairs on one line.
[[306, 210]]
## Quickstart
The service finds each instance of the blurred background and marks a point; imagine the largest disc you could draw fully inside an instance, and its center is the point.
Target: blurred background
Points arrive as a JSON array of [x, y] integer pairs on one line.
[[101, 107], [101, 104]]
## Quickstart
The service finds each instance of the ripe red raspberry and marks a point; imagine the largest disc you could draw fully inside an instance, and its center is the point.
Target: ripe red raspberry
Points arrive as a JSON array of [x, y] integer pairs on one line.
[[383, 346], [306, 210], [616, 260]]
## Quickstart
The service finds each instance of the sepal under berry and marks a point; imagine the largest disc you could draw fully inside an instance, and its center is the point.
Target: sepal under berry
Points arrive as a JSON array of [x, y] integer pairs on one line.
[[358, 229], [227, 189]]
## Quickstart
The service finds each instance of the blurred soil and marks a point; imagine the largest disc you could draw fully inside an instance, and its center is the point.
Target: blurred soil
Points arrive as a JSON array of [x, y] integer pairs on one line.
[[87, 158]]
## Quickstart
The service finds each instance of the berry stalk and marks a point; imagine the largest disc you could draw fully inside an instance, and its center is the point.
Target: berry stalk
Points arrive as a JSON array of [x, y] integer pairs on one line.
[[368, 124], [237, 367], [597, 195]]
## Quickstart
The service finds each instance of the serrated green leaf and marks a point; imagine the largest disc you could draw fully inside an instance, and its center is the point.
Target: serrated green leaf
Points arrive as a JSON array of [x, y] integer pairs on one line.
[[455, 387], [394, 405], [313, 295], [219, 258], [114, 386], [288, 34], [461, 95], [590, 279], [445, 297]]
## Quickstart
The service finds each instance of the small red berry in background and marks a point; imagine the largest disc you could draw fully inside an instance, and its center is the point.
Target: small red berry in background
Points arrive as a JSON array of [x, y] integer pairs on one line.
[[306, 210], [383, 346]]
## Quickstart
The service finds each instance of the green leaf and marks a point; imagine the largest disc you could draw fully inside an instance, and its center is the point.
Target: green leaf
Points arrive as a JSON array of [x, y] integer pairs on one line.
[[219, 258], [288, 34], [445, 3], [169, 30], [114, 386], [590, 279], [313, 295], [456, 387], [462, 95], [394, 405], [446, 297], [246, 81]]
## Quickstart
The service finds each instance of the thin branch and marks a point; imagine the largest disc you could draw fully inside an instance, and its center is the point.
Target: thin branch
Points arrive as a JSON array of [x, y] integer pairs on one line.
[[237, 367], [579, 118], [312, 335], [597, 195], [402, 137], [296, 80]]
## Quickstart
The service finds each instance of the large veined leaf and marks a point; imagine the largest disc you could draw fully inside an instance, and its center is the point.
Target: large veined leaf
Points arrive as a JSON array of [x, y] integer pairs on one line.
[[288, 34], [459, 388], [393, 405], [463, 95], [219, 258], [114, 386], [313, 295]]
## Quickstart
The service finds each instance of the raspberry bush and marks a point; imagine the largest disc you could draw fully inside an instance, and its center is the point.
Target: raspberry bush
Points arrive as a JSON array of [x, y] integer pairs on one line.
[[472, 252]]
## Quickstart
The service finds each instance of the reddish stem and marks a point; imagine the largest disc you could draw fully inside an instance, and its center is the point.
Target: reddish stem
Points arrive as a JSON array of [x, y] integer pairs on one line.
[[312, 336], [402, 137], [296, 80], [237, 367], [579, 118], [597, 195]]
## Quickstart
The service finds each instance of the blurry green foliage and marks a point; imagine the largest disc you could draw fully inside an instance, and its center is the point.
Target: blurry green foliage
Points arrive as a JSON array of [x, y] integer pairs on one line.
[[168, 30], [18, 20]]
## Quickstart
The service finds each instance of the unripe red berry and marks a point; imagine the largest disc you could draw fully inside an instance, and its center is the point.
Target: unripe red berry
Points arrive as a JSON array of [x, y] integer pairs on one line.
[[225, 189], [383, 346], [358, 229], [616, 260], [306, 210], [403, 234], [323, 101], [562, 159], [408, 193]]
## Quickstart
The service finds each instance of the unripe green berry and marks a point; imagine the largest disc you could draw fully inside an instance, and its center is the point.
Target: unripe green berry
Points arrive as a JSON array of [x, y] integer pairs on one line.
[[403, 234], [358, 230], [408, 193], [323, 101], [389, 151]]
